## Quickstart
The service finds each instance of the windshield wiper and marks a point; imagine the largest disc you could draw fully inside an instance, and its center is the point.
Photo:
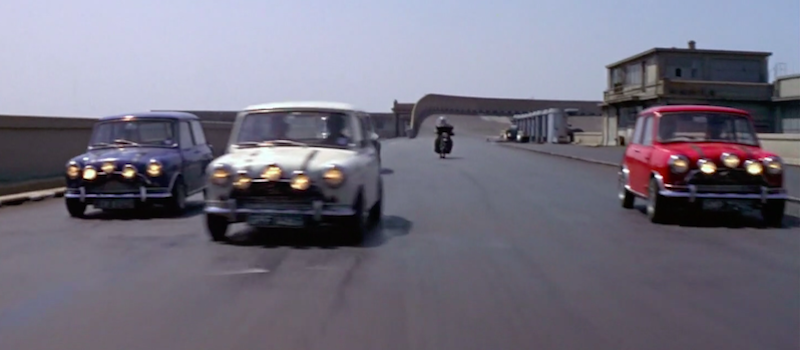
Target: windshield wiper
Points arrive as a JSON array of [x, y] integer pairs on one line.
[[100, 144], [286, 143], [248, 144], [125, 142], [270, 143]]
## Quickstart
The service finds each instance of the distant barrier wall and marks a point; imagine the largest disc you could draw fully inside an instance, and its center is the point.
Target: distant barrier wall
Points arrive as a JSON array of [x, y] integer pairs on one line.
[[35, 150]]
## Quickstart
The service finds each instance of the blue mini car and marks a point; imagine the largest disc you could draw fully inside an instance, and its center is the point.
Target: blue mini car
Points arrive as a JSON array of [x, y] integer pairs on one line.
[[135, 160]]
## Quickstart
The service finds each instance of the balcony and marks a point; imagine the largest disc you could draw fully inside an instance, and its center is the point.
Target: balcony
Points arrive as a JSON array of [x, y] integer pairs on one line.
[[622, 93], [691, 89], [714, 90]]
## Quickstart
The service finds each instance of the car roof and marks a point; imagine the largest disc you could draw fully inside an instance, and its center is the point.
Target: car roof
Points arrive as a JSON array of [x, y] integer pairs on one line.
[[303, 104], [693, 108], [153, 115]]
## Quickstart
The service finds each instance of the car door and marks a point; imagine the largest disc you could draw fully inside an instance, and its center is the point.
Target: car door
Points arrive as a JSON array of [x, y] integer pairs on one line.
[[645, 152], [369, 158], [206, 152], [632, 159], [372, 132], [192, 158]]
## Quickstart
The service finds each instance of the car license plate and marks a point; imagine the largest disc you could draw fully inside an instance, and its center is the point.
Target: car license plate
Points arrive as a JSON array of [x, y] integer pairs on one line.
[[713, 204], [115, 203], [270, 220]]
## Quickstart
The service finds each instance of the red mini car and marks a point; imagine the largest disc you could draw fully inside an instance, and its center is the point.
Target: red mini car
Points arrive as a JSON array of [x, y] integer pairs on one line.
[[700, 157]]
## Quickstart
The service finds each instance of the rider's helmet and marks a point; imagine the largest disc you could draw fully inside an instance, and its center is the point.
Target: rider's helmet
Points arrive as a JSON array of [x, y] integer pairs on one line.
[[442, 120]]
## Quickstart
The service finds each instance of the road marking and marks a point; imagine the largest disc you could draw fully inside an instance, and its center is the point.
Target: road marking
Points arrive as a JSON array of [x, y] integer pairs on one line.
[[240, 272]]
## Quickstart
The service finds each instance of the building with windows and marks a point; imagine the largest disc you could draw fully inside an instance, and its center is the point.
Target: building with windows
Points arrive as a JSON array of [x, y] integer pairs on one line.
[[786, 103], [670, 76]]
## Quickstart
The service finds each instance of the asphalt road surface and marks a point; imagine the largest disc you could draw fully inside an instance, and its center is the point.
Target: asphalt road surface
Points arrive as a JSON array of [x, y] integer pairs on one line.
[[493, 248]]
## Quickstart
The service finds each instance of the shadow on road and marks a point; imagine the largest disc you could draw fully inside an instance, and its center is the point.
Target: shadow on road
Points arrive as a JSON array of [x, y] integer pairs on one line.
[[386, 171], [389, 228], [727, 219], [193, 208]]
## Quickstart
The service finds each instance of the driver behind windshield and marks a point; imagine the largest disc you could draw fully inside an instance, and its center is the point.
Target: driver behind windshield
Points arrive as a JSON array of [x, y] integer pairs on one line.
[[148, 133], [666, 128], [278, 129], [273, 128], [715, 129], [336, 124]]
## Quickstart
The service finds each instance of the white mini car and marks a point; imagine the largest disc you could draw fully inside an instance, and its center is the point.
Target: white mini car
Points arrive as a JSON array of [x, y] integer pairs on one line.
[[296, 164]]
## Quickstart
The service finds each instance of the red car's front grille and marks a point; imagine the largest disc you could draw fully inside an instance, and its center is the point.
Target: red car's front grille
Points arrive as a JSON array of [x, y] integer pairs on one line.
[[732, 177], [751, 189]]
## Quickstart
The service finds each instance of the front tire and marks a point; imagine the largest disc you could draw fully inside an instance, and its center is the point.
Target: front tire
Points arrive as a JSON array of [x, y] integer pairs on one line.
[[376, 212], [217, 227], [75, 207], [659, 209], [773, 212], [355, 227], [626, 198], [177, 203]]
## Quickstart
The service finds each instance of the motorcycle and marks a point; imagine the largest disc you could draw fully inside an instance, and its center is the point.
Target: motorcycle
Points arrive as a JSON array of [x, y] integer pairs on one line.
[[444, 142]]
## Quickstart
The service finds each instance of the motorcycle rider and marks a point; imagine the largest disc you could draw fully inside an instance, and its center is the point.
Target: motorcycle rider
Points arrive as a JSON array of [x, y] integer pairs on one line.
[[443, 127]]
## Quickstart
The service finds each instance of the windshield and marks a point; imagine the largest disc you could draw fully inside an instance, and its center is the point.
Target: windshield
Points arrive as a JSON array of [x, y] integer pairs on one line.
[[299, 128], [706, 127], [134, 133]]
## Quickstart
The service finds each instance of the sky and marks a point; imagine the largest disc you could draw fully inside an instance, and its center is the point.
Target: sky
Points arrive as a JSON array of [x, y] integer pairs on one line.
[[94, 57]]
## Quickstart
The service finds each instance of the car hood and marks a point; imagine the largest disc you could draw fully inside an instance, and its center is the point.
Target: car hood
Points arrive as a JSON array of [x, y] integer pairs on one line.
[[288, 158], [714, 150], [122, 154]]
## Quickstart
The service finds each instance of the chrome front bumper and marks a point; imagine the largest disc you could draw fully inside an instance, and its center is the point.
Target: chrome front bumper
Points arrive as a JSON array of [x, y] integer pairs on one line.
[[691, 193], [318, 210], [143, 194]]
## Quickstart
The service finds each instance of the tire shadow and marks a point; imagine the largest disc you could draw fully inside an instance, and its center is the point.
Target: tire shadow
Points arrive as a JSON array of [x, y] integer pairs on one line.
[[390, 227]]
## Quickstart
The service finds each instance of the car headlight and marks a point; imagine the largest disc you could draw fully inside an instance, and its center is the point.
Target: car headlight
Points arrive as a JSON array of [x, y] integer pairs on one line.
[[678, 164], [272, 173], [73, 171], [334, 177], [220, 176], [89, 173], [242, 181], [108, 167], [774, 165], [706, 166], [301, 182], [730, 160], [753, 167], [154, 168], [129, 171]]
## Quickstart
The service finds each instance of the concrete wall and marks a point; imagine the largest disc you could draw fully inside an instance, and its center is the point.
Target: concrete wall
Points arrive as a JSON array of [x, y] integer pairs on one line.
[[788, 86], [587, 123], [36, 149], [785, 145], [594, 138], [729, 68], [433, 104]]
